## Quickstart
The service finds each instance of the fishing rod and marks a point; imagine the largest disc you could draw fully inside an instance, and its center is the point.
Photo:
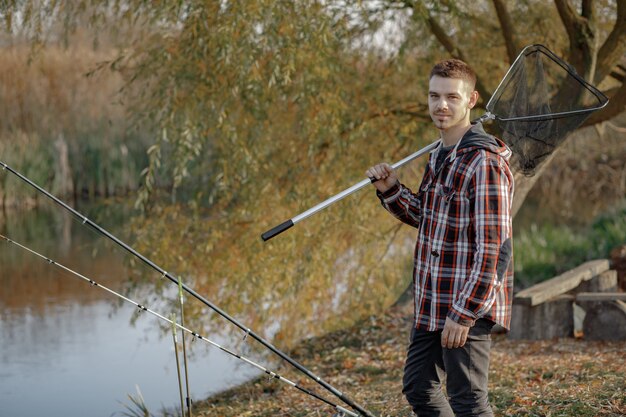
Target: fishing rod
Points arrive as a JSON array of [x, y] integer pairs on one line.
[[193, 293], [181, 302], [272, 375], [180, 382]]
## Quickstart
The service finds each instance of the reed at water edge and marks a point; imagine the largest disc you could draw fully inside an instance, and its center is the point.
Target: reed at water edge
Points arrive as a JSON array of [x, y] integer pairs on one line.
[[65, 125]]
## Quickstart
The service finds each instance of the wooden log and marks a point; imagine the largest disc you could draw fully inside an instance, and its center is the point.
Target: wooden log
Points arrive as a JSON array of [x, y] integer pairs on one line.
[[551, 319], [605, 282], [618, 262], [561, 284], [600, 297], [605, 319]]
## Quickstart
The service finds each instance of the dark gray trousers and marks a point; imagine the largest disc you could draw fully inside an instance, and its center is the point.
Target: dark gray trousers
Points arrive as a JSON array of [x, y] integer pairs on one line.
[[465, 368]]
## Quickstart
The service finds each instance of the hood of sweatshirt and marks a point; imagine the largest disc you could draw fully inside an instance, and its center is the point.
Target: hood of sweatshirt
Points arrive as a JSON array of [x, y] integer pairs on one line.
[[475, 138]]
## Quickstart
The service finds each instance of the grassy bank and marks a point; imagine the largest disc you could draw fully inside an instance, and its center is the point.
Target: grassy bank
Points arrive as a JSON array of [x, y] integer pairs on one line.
[[565, 377], [544, 251]]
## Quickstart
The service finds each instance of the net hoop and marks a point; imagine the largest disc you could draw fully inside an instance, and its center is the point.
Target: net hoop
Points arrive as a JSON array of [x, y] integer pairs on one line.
[[530, 49]]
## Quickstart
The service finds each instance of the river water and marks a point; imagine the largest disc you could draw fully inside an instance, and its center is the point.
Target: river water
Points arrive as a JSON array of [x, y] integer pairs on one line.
[[68, 349]]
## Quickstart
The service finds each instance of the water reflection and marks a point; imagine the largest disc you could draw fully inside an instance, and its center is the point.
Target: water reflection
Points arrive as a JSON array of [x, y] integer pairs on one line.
[[73, 363], [69, 349], [78, 352]]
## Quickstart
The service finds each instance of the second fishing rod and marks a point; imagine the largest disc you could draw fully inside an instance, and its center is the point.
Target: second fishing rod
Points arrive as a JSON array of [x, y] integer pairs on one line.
[[175, 326], [84, 220]]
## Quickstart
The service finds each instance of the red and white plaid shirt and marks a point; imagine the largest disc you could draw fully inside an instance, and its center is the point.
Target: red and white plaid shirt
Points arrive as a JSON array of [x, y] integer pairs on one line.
[[463, 268]]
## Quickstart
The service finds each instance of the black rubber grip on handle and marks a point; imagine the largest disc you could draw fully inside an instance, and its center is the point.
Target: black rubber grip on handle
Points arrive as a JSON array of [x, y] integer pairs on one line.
[[277, 230]]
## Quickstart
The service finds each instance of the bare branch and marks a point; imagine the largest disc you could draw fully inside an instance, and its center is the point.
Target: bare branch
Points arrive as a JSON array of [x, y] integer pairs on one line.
[[445, 40], [568, 17], [506, 27], [395, 229], [581, 38], [421, 112], [619, 73], [615, 45], [616, 128], [417, 111], [587, 10], [617, 105]]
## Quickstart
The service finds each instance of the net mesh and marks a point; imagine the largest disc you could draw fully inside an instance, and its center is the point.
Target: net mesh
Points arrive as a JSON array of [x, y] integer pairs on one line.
[[538, 103]]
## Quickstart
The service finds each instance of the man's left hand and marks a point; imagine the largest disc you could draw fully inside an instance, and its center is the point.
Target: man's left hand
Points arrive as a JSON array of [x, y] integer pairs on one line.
[[454, 334]]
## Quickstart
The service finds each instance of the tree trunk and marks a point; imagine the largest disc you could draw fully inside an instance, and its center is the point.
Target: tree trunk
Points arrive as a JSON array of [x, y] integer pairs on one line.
[[525, 183]]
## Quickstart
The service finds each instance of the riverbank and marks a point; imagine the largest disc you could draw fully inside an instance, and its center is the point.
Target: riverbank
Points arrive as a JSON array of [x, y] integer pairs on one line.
[[565, 377]]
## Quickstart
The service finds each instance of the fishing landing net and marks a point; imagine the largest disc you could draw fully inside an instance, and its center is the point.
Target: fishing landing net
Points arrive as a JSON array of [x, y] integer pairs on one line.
[[538, 103]]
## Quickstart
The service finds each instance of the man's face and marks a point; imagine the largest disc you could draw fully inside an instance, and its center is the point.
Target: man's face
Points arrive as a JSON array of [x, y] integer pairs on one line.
[[450, 101]]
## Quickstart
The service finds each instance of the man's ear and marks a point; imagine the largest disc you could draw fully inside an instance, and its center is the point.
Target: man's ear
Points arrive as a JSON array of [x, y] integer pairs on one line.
[[473, 99]]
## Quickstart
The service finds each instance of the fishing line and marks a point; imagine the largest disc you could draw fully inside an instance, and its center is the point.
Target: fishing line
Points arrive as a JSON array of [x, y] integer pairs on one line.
[[272, 375], [84, 220]]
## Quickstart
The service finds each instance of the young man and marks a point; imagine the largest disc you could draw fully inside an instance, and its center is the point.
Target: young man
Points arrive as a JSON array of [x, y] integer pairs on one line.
[[462, 275]]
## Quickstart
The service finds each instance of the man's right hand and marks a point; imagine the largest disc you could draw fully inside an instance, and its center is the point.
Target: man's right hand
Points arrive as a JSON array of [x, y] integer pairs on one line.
[[384, 175]]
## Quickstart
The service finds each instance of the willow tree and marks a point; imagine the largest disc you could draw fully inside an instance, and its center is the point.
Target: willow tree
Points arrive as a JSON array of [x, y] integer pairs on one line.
[[264, 108], [588, 34]]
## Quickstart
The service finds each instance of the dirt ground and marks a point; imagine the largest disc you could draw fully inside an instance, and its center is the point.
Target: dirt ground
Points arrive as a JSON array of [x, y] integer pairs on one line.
[[563, 377]]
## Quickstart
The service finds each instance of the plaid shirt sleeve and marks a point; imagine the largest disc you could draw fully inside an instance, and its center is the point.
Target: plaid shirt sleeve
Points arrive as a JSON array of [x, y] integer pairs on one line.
[[490, 204], [402, 204]]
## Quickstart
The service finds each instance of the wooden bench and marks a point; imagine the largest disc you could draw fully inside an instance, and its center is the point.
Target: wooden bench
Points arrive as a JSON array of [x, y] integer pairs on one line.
[[579, 301]]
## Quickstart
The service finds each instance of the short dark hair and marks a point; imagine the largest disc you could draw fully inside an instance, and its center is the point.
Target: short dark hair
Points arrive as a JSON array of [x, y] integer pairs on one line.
[[454, 68]]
